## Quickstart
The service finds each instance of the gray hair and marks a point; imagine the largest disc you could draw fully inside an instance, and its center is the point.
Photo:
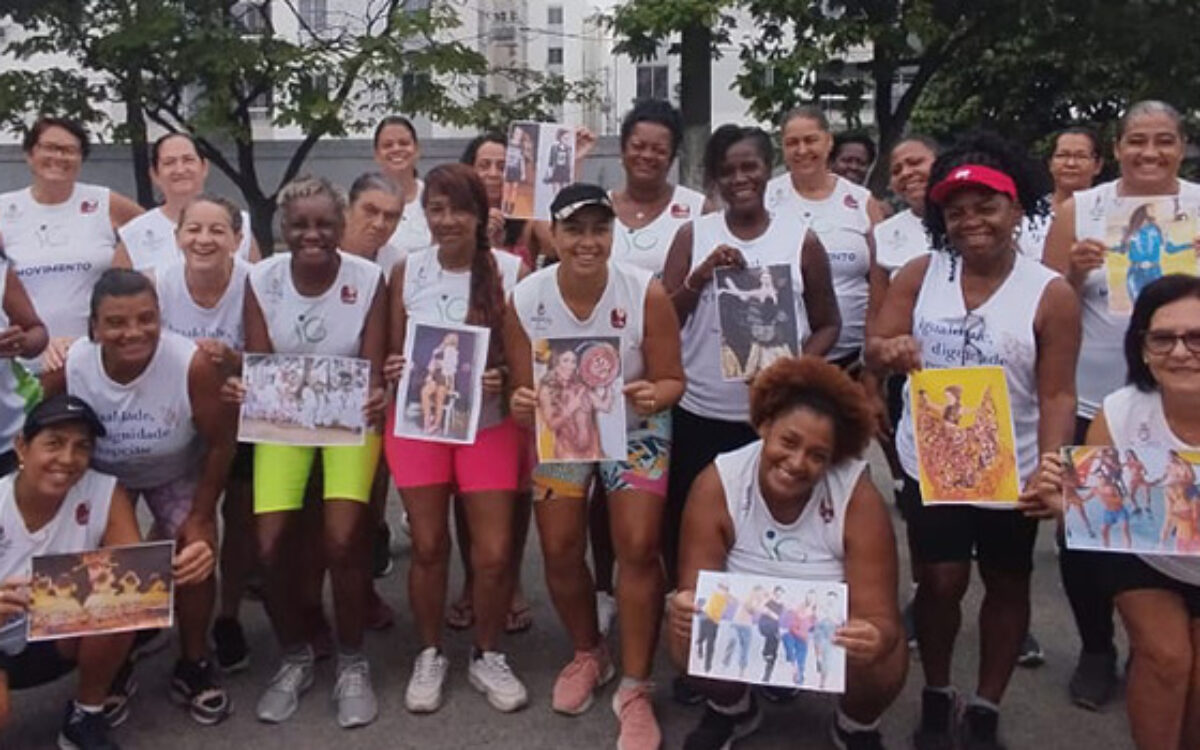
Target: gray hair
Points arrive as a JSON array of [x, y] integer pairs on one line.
[[374, 181], [1150, 107], [808, 112], [231, 208]]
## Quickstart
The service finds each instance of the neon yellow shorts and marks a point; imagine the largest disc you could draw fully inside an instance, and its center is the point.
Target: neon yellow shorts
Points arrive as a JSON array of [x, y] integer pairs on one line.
[[281, 473]]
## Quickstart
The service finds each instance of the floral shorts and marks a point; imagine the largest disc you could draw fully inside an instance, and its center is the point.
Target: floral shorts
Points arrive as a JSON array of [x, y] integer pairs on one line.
[[645, 468]]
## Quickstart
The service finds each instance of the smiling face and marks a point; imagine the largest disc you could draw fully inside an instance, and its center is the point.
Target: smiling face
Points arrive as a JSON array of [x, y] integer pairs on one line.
[[179, 172], [852, 162], [742, 176], [1150, 152], [646, 155], [312, 227], [206, 236], [1074, 165], [372, 218], [565, 365], [797, 449], [489, 165], [806, 147], [454, 228], [1178, 370], [980, 222], [396, 151], [584, 241], [55, 459], [127, 328], [56, 157], [910, 165]]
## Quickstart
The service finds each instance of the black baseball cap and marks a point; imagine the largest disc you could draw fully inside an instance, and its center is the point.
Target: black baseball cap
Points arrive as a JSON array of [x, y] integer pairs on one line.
[[61, 409], [579, 195]]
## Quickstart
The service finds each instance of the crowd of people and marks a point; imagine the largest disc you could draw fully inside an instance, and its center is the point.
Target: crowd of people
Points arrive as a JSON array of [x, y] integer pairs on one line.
[[125, 333]]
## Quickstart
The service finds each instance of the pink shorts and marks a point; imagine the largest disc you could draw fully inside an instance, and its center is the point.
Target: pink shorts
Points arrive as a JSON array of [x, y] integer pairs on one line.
[[492, 463]]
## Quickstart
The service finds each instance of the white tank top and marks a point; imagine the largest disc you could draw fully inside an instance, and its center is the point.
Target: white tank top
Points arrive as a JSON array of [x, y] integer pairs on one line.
[[707, 393], [150, 240], [412, 233], [59, 252], [647, 247], [12, 404], [1031, 234], [619, 313], [899, 239], [330, 323], [1136, 420], [181, 313], [1006, 339], [151, 437], [811, 547], [842, 224], [1101, 354], [434, 295], [78, 526], [387, 258]]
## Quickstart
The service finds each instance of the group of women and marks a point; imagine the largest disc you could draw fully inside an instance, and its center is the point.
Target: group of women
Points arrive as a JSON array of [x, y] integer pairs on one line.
[[989, 263]]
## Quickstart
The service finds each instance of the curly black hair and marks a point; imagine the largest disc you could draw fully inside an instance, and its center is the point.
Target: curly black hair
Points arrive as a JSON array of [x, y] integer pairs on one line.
[[989, 150], [854, 136], [724, 138]]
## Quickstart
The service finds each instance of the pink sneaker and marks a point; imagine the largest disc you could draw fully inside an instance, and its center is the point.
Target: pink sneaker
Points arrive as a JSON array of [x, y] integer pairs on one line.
[[578, 680], [634, 708]]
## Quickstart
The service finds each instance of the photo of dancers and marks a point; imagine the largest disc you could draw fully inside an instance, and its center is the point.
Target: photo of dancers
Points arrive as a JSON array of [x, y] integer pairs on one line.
[[769, 631], [1144, 501], [304, 399], [580, 406], [439, 396], [757, 309]]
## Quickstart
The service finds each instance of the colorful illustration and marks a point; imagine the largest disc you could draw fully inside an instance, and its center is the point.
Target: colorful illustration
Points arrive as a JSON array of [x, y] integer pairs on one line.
[[769, 631], [962, 423], [304, 399], [107, 590], [1141, 500], [1147, 238], [757, 314], [441, 394], [538, 163], [581, 407]]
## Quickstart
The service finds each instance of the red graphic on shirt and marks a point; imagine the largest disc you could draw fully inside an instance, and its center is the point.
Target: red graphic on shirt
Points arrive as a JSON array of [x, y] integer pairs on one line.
[[83, 513], [89, 207], [680, 211], [850, 201], [349, 294], [618, 318]]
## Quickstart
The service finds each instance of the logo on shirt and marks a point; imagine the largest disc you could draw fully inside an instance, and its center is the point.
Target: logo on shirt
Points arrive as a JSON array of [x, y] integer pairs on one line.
[[618, 317], [12, 211], [540, 320], [83, 513], [1143, 432], [349, 294], [850, 201], [89, 207], [680, 211]]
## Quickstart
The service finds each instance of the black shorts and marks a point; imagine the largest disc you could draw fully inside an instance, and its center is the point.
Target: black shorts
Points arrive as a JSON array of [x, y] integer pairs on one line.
[[1121, 573], [958, 533], [38, 664], [242, 467]]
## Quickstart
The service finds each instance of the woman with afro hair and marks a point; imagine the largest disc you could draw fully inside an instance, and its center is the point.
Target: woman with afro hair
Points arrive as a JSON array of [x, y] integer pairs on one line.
[[977, 301], [803, 483]]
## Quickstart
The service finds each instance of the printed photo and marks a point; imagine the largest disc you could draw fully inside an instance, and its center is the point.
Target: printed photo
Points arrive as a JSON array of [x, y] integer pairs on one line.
[[304, 399], [1140, 501], [440, 395], [769, 631], [1147, 238], [539, 162], [107, 590], [962, 422], [580, 403], [757, 314]]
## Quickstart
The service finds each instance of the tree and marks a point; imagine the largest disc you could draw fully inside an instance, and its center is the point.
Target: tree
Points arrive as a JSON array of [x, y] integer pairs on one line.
[[207, 67]]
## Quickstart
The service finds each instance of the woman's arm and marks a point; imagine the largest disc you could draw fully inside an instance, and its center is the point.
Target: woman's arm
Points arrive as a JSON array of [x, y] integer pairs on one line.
[[375, 334], [518, 354], [820, 303], [890, 345], [675, 273], [28, 333], [1057, 329], [258, 339], [122, 526], [661, 349], [871, 575], [1071, 256], [216, 422]]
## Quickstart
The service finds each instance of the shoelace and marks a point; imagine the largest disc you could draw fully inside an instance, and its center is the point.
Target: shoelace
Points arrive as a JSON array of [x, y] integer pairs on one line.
[[499, 664], [290, 676], [426, 670], [353, 680]]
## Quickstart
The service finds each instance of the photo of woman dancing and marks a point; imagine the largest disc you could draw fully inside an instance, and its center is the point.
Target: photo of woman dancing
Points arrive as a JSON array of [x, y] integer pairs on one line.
[[1136, 471], [439, 382], [1182, 515], [1143, 243]]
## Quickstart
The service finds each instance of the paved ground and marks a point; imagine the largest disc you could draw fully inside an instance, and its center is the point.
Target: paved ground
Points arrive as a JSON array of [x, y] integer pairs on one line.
[[1036, 711]]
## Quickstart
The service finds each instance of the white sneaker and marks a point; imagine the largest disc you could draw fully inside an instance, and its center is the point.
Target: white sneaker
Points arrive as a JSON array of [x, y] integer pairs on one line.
[[354, 696], [606, 611], [424, 694], [491, 675]]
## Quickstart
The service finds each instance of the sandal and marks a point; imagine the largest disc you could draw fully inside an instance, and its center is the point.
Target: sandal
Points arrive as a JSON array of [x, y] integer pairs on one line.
[[519, 618], [460, 615]]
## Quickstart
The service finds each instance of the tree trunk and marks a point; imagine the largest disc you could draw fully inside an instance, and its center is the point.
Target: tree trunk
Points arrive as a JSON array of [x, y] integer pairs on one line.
[[262, 220], [695, 95], [135, 121]]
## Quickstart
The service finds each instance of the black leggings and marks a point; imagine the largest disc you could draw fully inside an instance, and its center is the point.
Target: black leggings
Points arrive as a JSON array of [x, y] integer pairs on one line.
[[1089, 594]]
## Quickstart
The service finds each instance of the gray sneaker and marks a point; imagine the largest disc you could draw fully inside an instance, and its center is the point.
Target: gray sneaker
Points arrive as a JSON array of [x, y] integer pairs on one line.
[[356, 704], [282, 696]]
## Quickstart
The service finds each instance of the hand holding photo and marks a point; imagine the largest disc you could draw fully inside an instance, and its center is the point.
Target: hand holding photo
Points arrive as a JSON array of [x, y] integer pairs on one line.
[[580, 405], [1147, 238], [757, 315], [304, 399], [745, 623], [962, 423], [440, 395], [108, 590]]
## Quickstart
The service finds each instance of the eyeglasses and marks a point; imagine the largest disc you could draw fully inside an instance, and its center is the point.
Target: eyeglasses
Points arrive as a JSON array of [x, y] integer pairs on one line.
[[59, 149], [973, 326], [1065, 156], [1163, 342]]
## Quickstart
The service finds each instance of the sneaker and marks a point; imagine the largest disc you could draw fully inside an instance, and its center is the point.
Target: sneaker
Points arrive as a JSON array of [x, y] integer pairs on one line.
[[843, 740], [490, 674], [84, 731], [683, 693], [1094, 680], [229, 645], [936, 731], [978, 729], [194, 685], [576, 683], [1031, 654], [354, 696], [634, 707], [124, 687], [606, 611], [424, 694], [381, 551], [282, 696], [717, 731]]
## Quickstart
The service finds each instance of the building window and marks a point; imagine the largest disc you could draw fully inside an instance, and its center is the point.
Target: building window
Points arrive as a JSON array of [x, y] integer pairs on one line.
[[554, 15], [555, 56], [314, 14], [653, 82], [252, 17]]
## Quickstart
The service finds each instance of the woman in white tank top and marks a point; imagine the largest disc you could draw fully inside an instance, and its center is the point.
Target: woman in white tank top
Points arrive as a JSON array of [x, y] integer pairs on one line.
[[798, 503], [397, 152], [22, 334], [1157, 596], [373, 209], [179, 171], [527, 239], [974, 301], [61, 234]]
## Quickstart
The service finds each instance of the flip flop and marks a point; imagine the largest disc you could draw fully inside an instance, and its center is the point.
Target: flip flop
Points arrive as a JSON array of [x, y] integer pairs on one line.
[[519, 619], [460, 615]]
